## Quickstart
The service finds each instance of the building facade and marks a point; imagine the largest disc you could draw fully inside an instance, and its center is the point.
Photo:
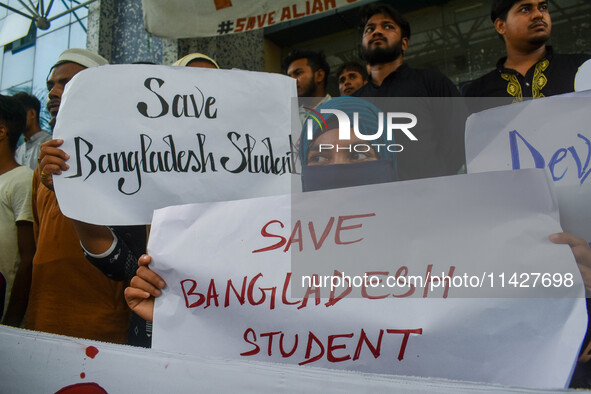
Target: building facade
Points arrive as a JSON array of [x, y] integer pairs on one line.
[[456, 37]]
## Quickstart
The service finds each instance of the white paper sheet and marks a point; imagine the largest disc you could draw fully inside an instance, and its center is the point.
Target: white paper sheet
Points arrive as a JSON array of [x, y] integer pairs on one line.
[[142, 137], [482, 227], [35, 362], [551, 133]]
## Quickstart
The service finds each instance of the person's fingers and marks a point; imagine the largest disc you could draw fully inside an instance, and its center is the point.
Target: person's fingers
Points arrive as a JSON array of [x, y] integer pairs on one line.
[[147, 274], [52, 143], [53, 160], [134, 295], [49, 150], [52, 147], [566, 239], [580, 248], [144, 260], [49, 168], [145, 285], [140, 302], [151, 277]]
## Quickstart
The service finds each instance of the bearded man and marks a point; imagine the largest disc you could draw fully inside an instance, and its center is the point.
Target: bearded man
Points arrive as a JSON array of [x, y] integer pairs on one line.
[[310, 70], [439, 148], [385, 38]]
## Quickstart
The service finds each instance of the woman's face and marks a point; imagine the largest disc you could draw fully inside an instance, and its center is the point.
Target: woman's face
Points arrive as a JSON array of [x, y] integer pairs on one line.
[[326, 149]]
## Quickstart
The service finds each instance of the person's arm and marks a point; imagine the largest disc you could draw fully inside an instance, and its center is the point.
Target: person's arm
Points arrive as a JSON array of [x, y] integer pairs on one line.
[[19, 297], [101, 246], [114, 250], [94, 238], [144, 287], [52, 160]]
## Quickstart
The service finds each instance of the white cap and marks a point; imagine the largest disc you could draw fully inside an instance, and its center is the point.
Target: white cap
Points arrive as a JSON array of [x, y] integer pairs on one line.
[[83, 57], [184, 61]]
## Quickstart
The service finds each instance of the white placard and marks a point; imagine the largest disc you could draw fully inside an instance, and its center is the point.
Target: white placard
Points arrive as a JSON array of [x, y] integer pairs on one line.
[[36, 362], [551, 133], [583, 77], [228, 265], [203, 18], [142, 137]]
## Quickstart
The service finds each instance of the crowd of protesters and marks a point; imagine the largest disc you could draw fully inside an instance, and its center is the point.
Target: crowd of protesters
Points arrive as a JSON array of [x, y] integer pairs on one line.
[[67, 277]]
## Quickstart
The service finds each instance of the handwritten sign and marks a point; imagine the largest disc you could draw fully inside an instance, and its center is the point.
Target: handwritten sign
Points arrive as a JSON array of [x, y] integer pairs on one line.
[[36, 362], [202, 18], [551, 133], [152, 136], [383, 278]]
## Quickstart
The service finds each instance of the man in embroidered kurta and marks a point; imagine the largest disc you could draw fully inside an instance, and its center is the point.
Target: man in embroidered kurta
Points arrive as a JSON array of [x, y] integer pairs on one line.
[[531, 68]]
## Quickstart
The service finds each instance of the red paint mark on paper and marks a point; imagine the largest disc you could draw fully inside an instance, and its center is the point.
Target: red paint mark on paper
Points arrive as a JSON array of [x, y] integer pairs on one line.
[[91, 351], [219, 4], [82, 388], [82, 375]]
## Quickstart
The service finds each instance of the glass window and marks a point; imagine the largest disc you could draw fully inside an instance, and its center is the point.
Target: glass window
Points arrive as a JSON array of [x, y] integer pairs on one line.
[[24, 87], [80, 12], [17, 68], [49, 48], [78, 33]]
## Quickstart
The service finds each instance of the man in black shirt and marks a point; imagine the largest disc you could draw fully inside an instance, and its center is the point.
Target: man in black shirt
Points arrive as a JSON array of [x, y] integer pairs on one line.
[[385, 37], [440, 128], [531, 68]]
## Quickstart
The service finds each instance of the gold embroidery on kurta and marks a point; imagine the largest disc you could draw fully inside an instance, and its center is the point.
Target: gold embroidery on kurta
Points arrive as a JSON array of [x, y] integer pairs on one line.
[[538, 83], [513, 87], [540, 79]]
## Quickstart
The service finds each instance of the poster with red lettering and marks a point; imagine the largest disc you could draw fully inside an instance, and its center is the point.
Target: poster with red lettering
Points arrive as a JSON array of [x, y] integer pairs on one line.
[[450, 277], [203, 18], [551, 133]]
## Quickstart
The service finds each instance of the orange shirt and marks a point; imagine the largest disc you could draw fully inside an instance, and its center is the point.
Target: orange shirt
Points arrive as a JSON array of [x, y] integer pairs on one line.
[[69, 296]]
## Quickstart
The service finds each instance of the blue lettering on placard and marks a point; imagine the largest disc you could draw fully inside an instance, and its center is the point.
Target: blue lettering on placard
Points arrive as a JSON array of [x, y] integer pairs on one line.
[[583, 170]]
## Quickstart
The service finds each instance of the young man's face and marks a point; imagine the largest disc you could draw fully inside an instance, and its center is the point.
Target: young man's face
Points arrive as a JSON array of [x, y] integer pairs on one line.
[[56, 83], [528, 22], [349, 82], [306, 78], [382, 40]]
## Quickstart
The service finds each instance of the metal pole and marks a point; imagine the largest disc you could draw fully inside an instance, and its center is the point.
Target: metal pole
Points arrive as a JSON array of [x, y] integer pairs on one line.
[[16, 11], [71, 9], [33, 12], [48, 8]]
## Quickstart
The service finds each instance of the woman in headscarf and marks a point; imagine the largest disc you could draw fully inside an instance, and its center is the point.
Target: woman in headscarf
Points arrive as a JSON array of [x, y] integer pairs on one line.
[[355, 162]]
